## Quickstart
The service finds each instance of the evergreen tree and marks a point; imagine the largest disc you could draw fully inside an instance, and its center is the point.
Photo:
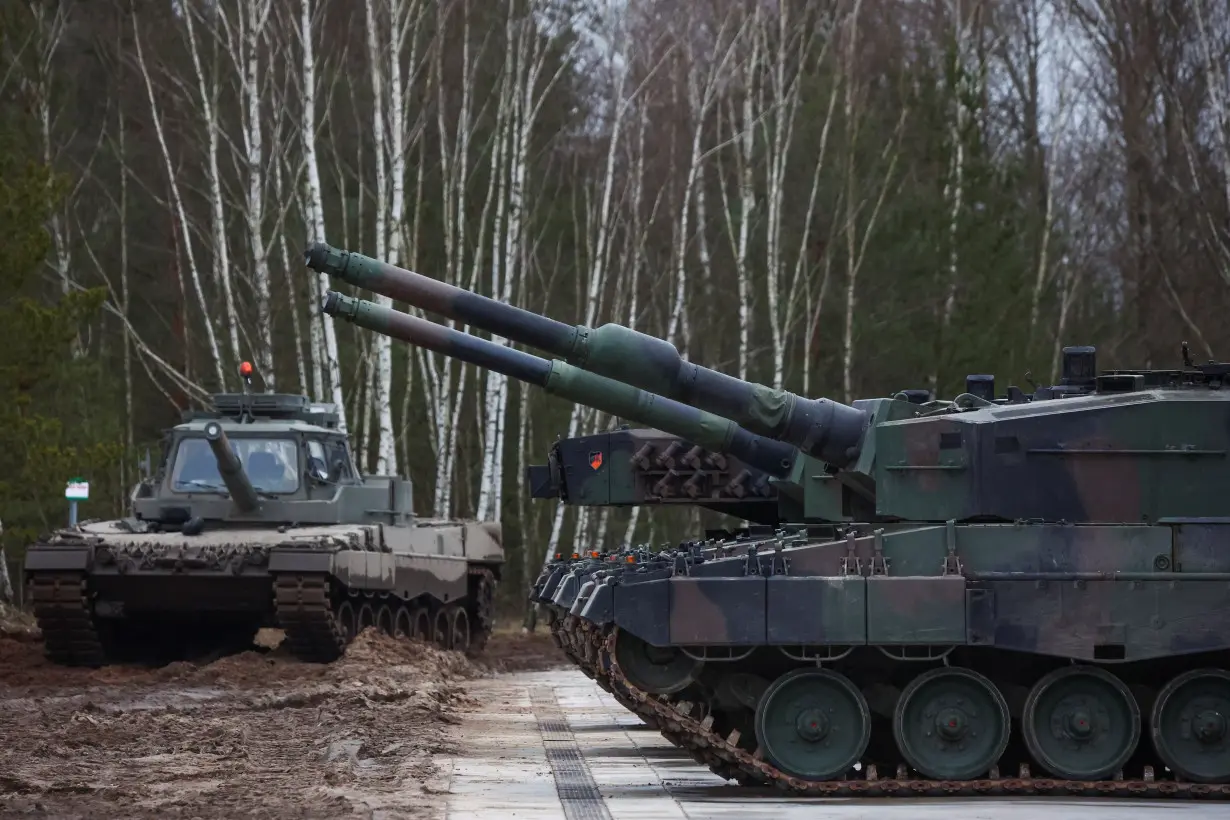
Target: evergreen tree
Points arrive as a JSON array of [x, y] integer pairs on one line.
[[39, 326]]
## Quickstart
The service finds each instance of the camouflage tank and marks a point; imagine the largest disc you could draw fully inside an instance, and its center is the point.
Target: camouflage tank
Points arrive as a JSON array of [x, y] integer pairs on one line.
[[629, 467], [1042, 582], [258, 516]]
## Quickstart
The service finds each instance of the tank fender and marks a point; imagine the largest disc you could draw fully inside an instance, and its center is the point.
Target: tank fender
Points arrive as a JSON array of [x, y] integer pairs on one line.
[[568, 589], [600, 608], [58, 558], [644, 609], [300, 560], [548, 589], [582, 598]]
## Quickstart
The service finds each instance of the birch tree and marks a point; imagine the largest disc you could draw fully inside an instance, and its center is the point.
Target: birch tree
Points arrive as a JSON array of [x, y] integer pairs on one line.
[[244, 37], [179, 212], [744, 140], [327, 372], [6, 585], [403, 32], [790, 54], [702, 79], [208, 90], [634, 261], [444, 400], [954, 186], [600, 227], [856, 248], [50, 20], [525, 58], [1214, 53], [1023, 67]]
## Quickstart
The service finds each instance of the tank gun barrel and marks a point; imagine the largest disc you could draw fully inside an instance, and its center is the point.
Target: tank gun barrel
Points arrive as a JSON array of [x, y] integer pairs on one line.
[[572, 383], [231, 470], [823, 428]]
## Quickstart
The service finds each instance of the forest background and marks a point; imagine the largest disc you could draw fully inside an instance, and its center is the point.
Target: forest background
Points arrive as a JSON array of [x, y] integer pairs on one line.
[[839, 197]]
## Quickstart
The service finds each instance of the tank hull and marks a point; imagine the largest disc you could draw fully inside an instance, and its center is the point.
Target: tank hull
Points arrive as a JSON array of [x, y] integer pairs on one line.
[[1085, 644], [103, 593]]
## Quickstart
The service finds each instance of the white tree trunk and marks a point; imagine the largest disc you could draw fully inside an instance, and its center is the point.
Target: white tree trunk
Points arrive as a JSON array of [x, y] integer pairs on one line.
[[207, 88], [525, 55], [635, 261], [747, 196], [598, 263], [702, 94], [178, 203], [1217, 78], [445, 399], [252, 27], [783, 103], [50, 23], [291, 286], [850, 79], [381, 396], [329, 365], [124, 293], [6, 585], [508, 114]]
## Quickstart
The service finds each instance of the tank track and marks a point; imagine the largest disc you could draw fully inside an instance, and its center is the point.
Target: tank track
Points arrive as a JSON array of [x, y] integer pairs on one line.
[[305, 612], [304, 609], [483, 584], [60, 601], [61, 607], [593, 648]]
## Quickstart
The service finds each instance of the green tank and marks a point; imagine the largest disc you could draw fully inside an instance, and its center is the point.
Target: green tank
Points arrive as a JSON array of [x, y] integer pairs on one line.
[[257, 516], [629, 467], [1032, 597]]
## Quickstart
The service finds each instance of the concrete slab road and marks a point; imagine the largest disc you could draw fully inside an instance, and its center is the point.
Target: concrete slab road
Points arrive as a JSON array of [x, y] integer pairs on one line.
[[553, 746]]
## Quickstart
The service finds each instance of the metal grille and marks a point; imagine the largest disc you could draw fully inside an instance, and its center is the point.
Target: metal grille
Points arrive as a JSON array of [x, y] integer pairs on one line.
[[578, 793]]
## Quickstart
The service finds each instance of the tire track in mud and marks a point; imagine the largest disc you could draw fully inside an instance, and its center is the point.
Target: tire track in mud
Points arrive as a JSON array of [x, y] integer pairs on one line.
[[251, 735]]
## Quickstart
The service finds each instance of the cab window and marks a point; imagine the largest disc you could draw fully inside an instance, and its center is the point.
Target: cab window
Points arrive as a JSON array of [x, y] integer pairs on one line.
[[340, 468], [332, 453]]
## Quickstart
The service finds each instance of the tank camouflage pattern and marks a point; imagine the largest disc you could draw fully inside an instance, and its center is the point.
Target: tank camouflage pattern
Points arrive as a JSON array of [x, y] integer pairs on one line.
[[257, 516], [1023, 594], [628, 467]]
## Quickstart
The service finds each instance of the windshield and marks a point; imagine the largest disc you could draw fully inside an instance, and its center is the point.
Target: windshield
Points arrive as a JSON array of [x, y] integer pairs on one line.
[[272, 465]]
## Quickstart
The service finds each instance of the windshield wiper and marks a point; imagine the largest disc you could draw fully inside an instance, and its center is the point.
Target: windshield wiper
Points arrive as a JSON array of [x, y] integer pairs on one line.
[[200, 484]]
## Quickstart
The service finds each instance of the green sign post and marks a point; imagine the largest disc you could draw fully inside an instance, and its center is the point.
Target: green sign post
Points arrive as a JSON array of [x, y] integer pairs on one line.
[[77, 489]]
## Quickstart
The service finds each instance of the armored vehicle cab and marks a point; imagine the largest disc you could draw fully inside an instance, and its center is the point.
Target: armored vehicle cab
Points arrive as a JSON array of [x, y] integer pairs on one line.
[[257, 515]]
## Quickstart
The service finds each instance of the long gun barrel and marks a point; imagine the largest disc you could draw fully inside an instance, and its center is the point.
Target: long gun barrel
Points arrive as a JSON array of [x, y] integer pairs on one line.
[[231, 470], [823, 428], [568, 382]]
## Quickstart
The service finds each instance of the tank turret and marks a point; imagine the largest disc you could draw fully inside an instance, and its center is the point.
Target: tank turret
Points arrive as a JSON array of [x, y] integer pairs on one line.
[[830, 431], [633, 466], [243, 494], [561, 379]]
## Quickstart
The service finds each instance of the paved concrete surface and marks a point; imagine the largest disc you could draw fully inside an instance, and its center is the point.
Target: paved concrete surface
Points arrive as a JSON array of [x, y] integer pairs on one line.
[[609, 766]]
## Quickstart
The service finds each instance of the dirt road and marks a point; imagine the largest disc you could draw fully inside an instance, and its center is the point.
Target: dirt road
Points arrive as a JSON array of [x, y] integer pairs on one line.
[[252, 735]]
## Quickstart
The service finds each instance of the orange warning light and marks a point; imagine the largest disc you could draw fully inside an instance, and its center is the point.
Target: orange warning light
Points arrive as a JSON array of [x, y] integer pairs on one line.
[[245, 369], [594, 554], [576, 555], [559, 555], [631, 559]]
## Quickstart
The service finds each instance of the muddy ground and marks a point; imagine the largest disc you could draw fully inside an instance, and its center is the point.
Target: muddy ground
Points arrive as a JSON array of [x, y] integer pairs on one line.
[[252, 735]]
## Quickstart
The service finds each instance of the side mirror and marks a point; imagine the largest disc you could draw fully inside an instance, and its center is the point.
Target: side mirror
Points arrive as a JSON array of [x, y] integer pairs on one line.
[[317, 471]]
